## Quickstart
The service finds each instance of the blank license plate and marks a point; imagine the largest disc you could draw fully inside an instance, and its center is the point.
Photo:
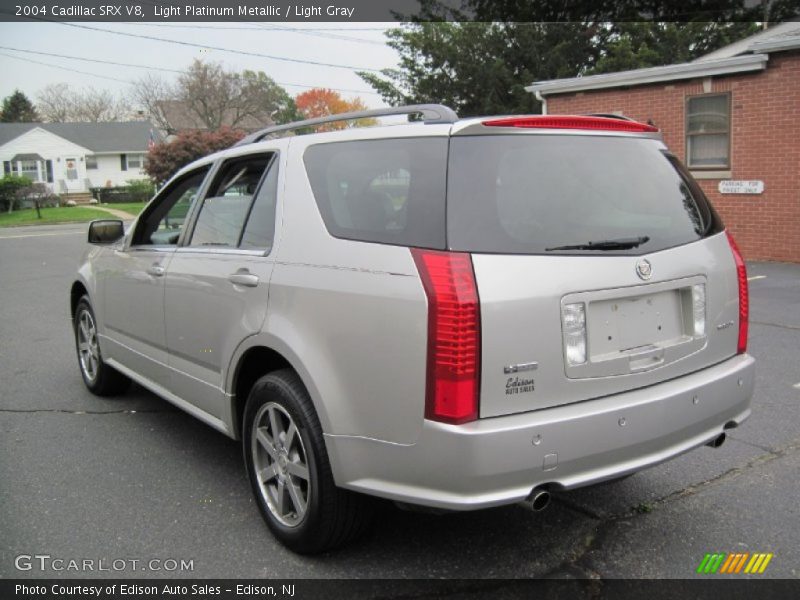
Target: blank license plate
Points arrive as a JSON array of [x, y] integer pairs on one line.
[[627, 323]]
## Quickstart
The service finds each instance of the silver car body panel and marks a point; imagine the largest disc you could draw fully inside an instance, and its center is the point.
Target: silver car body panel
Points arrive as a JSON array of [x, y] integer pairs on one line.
[[132, 298], [521, 299], [198, 291]]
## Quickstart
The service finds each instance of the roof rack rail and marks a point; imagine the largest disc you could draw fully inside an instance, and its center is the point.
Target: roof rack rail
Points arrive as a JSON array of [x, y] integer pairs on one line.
[[610, 116], [431, 113]]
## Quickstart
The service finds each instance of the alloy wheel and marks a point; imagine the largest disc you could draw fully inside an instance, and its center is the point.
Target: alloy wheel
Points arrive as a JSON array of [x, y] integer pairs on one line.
[[88, 349], [281, 465]]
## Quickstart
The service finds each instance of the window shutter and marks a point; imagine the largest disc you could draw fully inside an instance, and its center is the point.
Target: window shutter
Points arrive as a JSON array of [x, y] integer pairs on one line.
[[6, 167], [123, 162], [49, 166]]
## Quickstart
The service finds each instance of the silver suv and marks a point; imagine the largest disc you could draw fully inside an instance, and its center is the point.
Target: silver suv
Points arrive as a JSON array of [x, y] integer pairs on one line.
[[446, 313]]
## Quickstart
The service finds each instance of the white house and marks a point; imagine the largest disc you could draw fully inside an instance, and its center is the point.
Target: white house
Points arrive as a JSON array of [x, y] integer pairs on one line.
[[71, 158]]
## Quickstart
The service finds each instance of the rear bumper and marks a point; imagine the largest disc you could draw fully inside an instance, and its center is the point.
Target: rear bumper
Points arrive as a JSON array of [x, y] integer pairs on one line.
[[500, 460]]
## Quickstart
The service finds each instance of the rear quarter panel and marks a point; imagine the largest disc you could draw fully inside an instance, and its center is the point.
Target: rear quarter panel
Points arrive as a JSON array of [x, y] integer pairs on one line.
[[355, 315]]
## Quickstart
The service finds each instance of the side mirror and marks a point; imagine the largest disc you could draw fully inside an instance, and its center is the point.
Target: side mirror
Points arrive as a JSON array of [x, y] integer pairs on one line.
[[106, 231]]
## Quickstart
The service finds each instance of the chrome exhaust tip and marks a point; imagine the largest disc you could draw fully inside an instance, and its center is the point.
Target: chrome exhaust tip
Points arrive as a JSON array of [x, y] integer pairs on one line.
[[717, 441], [537, 501]]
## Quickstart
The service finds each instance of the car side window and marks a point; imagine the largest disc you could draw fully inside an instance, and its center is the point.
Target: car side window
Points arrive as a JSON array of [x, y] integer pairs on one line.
[[259, 232], [162, 225], [389, 191], [227, 204]]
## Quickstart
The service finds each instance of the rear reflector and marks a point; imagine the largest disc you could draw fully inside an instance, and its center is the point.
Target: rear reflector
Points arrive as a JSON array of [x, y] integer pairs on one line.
[[744, 299], [571, 122], [453, 364]]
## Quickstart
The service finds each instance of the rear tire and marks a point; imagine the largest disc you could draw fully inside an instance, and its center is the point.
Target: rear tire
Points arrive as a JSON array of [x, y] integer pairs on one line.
[[290, 473], [101, 379]]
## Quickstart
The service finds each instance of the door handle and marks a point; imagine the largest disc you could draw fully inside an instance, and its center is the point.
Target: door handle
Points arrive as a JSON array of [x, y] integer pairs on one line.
[[156, 270], [244, 278]]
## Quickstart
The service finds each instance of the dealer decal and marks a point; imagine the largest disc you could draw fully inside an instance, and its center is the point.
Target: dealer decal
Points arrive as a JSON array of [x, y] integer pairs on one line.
[[518, 385]]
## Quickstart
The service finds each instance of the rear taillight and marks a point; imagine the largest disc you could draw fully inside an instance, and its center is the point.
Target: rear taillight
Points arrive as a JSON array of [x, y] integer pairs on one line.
[[744, 299], [571, 122], [454, 335]]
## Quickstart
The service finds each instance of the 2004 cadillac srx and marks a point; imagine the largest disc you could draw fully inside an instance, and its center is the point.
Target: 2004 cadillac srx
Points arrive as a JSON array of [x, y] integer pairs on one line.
[[446, 313]]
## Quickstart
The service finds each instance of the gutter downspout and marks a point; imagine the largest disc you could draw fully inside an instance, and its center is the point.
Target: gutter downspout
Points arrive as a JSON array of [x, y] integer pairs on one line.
[[541, 99]]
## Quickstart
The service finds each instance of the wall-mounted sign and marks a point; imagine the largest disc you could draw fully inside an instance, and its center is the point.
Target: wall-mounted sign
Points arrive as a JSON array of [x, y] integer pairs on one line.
[[741, 186]]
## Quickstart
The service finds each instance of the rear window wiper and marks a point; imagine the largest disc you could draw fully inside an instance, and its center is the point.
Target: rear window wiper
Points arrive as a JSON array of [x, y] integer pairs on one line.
[[617, 244]]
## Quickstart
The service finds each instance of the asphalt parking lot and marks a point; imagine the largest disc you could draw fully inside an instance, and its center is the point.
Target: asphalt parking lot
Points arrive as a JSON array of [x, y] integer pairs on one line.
[[134, 478]]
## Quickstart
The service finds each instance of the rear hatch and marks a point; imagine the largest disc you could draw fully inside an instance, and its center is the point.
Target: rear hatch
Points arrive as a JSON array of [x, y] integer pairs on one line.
[[599, 263]]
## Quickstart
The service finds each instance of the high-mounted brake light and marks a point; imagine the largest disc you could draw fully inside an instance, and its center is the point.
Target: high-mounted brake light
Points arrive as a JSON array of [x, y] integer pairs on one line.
[[453, 364], [744, 300], [571, 122]]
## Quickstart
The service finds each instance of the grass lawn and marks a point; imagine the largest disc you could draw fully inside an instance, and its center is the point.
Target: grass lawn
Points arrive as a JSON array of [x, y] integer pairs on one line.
[[64, 214], [133, 208]]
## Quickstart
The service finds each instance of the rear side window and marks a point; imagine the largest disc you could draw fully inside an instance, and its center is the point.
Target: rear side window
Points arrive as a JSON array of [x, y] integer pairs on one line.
[[227, 204], [532, 194], [385, 191], [259, 231]]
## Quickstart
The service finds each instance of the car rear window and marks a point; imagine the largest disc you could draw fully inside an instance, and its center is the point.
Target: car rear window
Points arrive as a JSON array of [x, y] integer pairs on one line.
[[389, 191], [532, 194]]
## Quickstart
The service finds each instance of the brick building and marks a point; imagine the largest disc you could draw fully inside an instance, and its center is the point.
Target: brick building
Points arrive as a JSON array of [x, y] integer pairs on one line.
[[732, 116]]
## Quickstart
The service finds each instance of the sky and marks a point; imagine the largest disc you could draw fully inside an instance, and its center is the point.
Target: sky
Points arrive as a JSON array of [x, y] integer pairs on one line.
[[354, 45]]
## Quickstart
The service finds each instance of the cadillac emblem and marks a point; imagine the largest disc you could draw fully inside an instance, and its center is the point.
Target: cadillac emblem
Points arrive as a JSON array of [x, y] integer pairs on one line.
[[644, 269]]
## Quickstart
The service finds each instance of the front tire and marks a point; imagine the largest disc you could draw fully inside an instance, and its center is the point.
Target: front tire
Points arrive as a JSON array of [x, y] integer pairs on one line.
[[101, 379], [289, 470]]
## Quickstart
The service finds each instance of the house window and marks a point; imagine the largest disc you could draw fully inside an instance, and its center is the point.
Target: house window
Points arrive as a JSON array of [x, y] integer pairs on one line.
[[29, 169], [91, 162], [135, 161], [708, 127], [36, 171]]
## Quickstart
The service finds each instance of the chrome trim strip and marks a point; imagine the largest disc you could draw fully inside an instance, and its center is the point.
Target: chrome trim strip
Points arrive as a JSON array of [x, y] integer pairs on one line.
[[219, 250]]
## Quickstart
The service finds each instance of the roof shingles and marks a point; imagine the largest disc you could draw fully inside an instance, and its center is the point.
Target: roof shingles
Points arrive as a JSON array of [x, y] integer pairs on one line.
[[130, 136]]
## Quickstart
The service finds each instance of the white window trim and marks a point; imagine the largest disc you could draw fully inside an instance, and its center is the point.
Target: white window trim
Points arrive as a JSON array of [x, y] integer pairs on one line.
[[16, 169], [712, 170], [128, 161]]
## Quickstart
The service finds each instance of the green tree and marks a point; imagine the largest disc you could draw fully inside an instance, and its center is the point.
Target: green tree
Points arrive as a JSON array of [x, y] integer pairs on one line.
[[18, 109], [635, 45], [267, 97], [10, 187], [483, 66]]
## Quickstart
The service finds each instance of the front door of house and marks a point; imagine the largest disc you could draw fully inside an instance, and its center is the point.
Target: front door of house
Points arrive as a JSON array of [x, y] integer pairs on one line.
[[72, 178]]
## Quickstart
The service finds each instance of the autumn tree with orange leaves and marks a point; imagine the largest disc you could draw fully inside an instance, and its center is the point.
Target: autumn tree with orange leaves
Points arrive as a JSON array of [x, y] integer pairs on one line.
[[322, 102]]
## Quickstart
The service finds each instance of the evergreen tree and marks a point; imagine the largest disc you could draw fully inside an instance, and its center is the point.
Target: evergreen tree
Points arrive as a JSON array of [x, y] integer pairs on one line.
[[18, 109]]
